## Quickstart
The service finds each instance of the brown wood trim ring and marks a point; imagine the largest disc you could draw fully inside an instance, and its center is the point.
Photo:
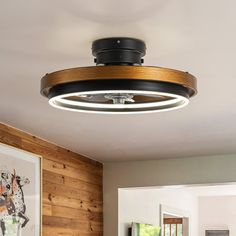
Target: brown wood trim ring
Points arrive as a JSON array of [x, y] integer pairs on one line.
[[118, 72]]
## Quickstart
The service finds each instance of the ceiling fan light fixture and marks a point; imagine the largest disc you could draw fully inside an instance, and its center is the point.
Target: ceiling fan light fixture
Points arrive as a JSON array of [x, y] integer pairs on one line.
[[118, 84]]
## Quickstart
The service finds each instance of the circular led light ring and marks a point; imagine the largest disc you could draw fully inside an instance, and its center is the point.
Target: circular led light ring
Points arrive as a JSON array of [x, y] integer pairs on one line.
[[178, 101], [62, 99], [60, 94]]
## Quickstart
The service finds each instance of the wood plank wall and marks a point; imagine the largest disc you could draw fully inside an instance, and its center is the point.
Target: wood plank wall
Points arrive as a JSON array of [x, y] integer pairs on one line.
[[72, 186]]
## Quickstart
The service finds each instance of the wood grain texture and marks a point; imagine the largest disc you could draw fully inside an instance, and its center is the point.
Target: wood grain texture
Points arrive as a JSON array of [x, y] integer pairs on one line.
[[72, 186], [118, 72]]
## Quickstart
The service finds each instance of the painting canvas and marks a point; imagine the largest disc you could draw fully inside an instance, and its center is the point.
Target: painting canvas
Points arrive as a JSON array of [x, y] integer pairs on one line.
[[20, 192]]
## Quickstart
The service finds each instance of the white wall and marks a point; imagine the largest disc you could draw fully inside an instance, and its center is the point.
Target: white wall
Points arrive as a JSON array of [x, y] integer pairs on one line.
[[217, 213], [194, 170], [143, 206]]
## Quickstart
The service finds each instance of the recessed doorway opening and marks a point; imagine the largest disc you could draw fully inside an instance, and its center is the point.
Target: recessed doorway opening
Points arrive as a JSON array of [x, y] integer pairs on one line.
[[174, 221], [179, 210]]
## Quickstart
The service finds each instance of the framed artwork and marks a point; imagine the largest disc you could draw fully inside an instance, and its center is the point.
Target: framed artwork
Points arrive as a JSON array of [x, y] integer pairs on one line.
[[20, 192]]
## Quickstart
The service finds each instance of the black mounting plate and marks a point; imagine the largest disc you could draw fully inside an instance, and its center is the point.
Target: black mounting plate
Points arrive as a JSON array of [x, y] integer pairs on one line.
[[118, 51]]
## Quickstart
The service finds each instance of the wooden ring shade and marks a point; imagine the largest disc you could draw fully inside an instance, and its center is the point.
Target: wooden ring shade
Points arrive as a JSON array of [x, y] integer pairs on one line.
[[146, 73]]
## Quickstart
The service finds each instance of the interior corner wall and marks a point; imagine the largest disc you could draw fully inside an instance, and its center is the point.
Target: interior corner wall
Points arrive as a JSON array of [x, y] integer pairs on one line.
[[144, 206], [217, 213], [72, 186], [182, 171]]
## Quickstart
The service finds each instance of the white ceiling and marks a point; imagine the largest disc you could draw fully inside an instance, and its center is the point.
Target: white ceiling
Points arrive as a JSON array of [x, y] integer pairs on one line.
[[196, 36]]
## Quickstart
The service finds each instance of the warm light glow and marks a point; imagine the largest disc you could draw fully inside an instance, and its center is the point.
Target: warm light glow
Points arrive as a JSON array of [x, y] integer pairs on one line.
[[175, 102]]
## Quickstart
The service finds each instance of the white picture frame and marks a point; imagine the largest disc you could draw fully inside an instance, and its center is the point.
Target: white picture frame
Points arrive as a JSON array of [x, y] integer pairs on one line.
[[20, 192]]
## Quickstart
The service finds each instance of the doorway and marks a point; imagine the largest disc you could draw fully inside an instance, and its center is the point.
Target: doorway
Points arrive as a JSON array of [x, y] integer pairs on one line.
[[172, 226], [175, 222]]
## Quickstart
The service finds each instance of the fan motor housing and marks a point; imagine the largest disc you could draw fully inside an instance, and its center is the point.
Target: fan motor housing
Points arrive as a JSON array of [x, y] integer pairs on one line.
[[118, 51]]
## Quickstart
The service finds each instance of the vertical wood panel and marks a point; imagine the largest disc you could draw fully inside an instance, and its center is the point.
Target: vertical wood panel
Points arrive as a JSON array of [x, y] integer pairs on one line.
[[72, 186]]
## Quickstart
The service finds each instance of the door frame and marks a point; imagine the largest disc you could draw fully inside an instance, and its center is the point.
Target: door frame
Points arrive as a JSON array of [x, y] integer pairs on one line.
[[164, 209]]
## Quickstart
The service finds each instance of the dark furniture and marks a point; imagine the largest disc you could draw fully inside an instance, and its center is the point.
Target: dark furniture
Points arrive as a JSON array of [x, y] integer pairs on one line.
[[217, 232]]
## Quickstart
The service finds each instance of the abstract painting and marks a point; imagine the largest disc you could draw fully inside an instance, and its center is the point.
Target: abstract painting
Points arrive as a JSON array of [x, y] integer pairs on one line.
[[20, 192]]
